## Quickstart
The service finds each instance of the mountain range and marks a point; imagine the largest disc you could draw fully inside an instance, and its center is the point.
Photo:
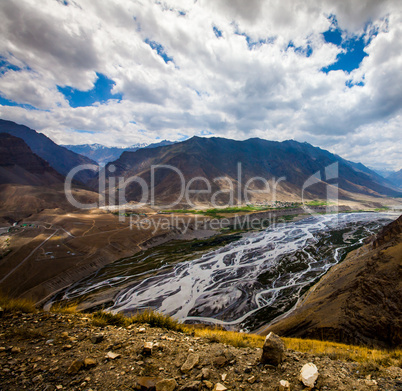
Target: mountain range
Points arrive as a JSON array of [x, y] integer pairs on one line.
[[396, 178], [290, 163], [29, 184], [103, 155], [214, 157], [19, 165], [60, 158]]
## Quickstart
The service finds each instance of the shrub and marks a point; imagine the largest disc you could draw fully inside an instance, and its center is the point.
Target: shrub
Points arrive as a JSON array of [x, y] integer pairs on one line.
[[156, 319], [15, 305], [104, 318]]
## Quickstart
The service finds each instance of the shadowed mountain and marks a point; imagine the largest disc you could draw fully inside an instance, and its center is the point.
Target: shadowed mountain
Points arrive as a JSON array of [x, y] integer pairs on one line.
[[60, 158], [104, 155], [19, 165], [373, 175], [396, 179], [359, 300], [290, 162], [28, 184]]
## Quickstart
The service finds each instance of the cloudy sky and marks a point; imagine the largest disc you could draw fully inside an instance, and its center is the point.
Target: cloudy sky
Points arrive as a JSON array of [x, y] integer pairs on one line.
[[118, 72]]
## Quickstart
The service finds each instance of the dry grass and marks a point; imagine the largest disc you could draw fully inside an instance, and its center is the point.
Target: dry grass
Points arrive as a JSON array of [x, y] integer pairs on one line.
[[239, 340], [63, 309], [372, 358], [339, 351], [16, 305], [153, 318], [104, 318], [156, 319]]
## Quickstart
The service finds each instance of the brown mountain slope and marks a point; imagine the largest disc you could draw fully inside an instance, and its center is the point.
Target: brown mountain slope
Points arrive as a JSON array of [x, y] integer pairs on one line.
[[19, 165], [28, 184], [60, 158], [358, 301], [290, 163]]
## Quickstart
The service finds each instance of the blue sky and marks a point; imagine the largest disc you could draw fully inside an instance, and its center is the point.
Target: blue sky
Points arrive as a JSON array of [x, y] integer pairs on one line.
[[120, 73]]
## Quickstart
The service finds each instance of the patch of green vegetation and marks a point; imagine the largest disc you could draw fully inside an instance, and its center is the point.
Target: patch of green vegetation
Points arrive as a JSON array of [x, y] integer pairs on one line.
[[317, 203], [288, 217]]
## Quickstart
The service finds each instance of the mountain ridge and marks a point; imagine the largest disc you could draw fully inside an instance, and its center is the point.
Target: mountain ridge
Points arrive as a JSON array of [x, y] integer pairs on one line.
[[60, 158], [103, 154], [218, 157]]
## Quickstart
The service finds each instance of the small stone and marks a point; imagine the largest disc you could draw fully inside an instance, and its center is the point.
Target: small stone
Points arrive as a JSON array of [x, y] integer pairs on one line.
[[37, 379], [220, 361], [208, 384], [191, 362], [166, 385], [112, 356], [192, 386], [59, 387], [224, 376], [90, 362], [96, 338], [141, 330], [146, 383], [49, 341], [273, 350], [309, 374], [284, 385], [206, 373], [147, 349], [219, 387], [15, 350], [251, 379], [64, 334], [67, 347], [75, 367]]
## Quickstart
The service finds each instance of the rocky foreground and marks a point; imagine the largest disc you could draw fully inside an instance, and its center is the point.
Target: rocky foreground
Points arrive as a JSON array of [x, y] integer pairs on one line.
[[49, 351]]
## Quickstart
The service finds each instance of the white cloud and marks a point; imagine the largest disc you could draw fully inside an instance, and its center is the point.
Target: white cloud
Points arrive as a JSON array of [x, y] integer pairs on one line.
[[248, 82]]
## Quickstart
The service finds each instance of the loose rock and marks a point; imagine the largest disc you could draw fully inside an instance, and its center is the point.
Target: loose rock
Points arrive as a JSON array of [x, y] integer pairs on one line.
[[166, 385], [75, 367], [193, 386], [147, 349], [96, 338], [112, 355], [90, 362], [309, 374], [191, 362], [284, 385], [146, 383], [273, 350], [219, 387]]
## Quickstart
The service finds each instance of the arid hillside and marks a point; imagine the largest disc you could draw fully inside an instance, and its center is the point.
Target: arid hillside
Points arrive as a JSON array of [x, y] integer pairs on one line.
[[103, 352], [358, 301]]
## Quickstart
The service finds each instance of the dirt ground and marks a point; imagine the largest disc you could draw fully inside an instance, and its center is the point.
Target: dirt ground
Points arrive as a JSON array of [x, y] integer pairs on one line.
[[47, 351]]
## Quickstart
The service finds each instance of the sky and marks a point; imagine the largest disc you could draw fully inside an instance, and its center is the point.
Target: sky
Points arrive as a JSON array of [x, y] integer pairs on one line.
[[120, 72]]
